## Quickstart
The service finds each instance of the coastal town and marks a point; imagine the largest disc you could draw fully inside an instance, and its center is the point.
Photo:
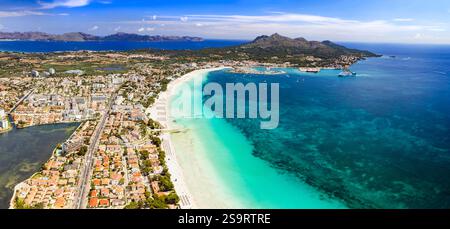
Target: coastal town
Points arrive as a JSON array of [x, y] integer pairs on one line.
[[113, 159], [116, 157]]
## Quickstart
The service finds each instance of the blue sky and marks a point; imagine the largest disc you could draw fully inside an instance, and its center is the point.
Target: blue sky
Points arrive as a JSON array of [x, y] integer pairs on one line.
[[390, 21]]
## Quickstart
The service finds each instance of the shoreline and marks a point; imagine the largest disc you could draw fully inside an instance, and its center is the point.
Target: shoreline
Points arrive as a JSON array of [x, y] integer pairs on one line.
[[3, 131], [53, 123], [211, 174], [160, 111]]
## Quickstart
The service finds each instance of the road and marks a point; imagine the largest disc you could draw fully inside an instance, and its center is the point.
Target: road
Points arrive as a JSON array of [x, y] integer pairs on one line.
[[20, 101], [86, 170]]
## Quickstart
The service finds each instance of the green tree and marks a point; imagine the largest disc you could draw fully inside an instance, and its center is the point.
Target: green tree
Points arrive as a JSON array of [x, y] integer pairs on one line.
[[172, 198], [165, 183], [132, 205], [156, 141], [82, 151], [156, 202], [144, 154]]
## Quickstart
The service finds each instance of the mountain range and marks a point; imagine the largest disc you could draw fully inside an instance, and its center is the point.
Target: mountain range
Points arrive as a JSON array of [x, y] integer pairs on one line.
[[282, 45], [280, 50], [79, 36]]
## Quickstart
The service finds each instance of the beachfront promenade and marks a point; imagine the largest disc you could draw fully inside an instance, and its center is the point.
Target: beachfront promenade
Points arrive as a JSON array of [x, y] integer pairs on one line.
[[158, 111]]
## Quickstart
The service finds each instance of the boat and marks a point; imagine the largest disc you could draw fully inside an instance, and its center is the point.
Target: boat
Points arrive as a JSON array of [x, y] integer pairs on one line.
[[346, 73], [310, 70]]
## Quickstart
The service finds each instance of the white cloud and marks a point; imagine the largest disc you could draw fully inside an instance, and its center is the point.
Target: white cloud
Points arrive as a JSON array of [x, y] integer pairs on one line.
[[418, 36], [306, 20], [403, 19], [28, 13], [63, 3], [94, 28], [278, 17], [154, 17], [314, 27], [21, 13], [146, 29], [436, 28], [1, 27], [117, 28]]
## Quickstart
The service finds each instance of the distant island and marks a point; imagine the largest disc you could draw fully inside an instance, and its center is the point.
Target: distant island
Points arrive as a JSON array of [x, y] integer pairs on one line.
[[79, 36]]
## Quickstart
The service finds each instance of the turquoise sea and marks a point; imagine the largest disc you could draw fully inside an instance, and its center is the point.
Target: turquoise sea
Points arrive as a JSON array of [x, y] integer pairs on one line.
[[377, 140]]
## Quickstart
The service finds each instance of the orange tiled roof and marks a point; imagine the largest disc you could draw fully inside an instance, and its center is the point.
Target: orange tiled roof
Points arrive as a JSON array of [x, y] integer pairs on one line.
[[60, 202], [93, 202], [96, 182], [93, 193], [104, 202]]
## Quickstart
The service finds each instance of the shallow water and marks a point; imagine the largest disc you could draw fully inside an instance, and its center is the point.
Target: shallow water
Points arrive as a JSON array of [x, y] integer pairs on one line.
[[221, 171]]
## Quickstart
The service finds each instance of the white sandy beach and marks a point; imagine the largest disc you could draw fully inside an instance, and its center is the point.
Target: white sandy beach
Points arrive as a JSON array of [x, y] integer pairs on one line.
[[160, 111]]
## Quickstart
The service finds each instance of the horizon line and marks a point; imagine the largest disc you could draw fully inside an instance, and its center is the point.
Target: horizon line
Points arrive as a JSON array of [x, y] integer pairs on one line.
[[227, 39]]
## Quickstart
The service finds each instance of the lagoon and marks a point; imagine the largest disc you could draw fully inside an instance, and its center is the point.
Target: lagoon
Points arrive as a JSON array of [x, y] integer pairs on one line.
[[24, 151]]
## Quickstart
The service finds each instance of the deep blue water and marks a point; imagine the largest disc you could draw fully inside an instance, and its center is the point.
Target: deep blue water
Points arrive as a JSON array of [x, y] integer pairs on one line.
[[44, 46], [378, 140]]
